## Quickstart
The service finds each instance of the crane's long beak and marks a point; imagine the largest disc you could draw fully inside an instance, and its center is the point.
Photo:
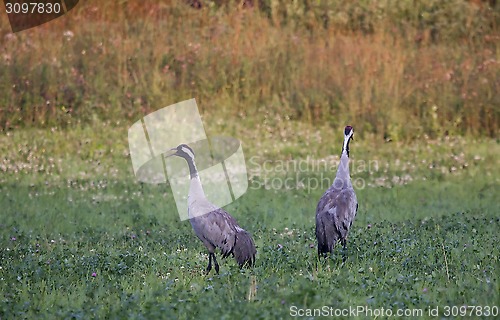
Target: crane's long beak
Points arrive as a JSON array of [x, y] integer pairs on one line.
[[172, 152]]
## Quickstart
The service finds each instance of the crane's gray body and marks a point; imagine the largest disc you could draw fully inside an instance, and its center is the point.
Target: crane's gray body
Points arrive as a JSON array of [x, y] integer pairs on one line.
[[337, 207], [217, 228]]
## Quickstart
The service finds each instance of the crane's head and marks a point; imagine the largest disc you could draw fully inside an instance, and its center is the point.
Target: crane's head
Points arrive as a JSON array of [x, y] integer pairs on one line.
[[183, 151], [348, 133]]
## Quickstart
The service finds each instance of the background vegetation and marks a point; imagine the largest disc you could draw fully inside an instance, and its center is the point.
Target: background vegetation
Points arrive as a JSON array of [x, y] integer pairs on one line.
[[80, 238], [400, 69]]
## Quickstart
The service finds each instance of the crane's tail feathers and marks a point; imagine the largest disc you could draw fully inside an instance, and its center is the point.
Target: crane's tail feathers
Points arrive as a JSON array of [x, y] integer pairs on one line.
[[244, 249], [327, 244], [327, 236]]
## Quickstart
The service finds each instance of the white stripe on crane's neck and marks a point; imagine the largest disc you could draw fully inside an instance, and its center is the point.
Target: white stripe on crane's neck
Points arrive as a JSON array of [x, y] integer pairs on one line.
[[189, 157], [345, 146], [343, 173], [188, 152]]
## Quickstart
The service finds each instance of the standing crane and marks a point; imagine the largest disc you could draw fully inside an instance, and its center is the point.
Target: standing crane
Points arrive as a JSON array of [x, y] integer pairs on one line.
[[338, 206], [214, 227]]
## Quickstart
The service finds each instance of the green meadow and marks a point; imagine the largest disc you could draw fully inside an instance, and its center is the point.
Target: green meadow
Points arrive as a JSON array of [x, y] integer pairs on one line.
[[81, 238]]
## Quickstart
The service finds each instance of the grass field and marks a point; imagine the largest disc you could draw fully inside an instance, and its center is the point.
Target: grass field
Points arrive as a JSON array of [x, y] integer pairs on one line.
[[81, 238]]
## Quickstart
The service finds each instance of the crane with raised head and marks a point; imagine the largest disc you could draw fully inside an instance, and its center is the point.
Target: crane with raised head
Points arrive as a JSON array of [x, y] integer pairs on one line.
[[338, 206]]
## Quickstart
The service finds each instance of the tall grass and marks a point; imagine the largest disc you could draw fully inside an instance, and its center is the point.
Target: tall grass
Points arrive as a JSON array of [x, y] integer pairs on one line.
[[397, 69]]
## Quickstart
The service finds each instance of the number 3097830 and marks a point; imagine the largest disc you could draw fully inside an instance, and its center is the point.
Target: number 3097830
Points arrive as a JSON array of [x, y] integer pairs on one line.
[[33, 7], [463, 311]]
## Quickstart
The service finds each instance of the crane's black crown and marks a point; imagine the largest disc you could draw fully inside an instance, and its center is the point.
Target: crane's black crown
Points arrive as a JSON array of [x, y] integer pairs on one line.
[[347, 130]]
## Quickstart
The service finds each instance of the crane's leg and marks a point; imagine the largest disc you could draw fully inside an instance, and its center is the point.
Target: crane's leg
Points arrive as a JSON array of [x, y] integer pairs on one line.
[[209, 262], [344, 250], [216, 264]]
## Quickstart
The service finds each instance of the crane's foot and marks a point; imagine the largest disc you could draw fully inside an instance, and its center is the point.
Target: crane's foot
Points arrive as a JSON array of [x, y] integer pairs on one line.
[[216, 264], [209, 268], [207, 271], [344, 252]]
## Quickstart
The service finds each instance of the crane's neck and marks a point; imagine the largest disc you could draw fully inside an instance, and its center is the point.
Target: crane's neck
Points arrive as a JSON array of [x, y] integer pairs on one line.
[[343, 173], [195, 190], [343, 169], [195, 187]]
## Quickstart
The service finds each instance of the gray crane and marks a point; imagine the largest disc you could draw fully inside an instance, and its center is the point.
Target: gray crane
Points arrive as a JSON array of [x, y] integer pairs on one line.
[[338, 206], [214, 227]]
